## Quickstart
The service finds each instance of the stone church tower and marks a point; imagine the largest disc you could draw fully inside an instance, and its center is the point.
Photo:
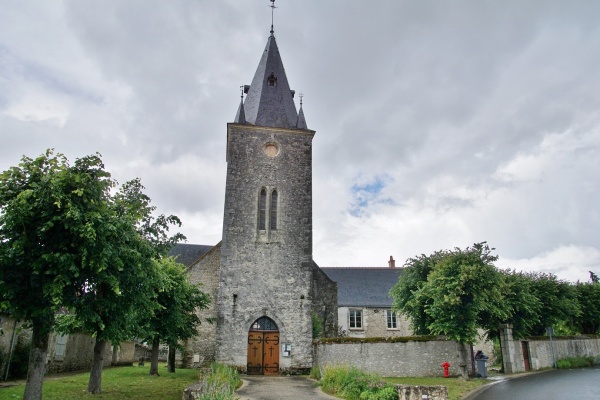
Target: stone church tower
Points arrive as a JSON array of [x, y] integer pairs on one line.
[[267, 290]]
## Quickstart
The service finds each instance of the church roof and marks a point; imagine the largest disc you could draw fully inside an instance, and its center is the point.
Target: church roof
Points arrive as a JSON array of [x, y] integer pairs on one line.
[[364, 287], [188, 253], [269, 101]]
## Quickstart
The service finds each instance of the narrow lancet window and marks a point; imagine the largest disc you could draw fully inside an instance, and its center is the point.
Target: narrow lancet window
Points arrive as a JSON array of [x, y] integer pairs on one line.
[[262, 210], [273, 218], [272, 80]]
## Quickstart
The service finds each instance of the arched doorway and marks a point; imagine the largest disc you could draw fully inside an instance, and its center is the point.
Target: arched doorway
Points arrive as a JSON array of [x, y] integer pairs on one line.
[[263, 347]]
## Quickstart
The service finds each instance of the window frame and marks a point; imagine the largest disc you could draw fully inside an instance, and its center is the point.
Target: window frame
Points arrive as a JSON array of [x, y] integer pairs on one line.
[[262, 210], [60, 346], [355, 317], [391, 320]]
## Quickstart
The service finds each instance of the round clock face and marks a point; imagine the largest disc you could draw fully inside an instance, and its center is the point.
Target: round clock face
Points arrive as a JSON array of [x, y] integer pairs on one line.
[[271, 150]]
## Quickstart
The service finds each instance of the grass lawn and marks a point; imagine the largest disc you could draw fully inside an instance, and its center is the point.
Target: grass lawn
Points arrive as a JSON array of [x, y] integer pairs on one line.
[[131, 383], [457, 388]]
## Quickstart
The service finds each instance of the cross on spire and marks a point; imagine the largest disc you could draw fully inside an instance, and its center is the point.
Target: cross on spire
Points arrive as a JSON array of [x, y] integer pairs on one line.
[[272, 12], [301, 95]]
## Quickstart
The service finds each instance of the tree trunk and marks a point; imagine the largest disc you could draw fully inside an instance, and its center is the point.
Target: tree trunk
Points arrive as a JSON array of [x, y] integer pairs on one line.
[[464, 363], [171, 363], [472, 359], [95, 382], [154, 357], [37, 361]]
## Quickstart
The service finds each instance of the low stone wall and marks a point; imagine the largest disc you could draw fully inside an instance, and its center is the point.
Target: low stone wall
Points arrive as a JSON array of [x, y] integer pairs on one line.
[[540, 351], [418, 357], [408, 392]]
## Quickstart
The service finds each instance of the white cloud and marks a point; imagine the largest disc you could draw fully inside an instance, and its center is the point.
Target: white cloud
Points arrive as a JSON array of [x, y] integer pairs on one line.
[[480, 118]]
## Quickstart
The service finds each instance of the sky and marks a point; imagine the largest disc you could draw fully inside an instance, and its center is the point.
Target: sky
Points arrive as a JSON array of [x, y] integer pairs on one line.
[[439, 124]]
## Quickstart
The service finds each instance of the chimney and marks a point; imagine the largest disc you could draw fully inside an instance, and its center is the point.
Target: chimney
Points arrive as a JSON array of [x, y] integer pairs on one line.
[[392, 262]]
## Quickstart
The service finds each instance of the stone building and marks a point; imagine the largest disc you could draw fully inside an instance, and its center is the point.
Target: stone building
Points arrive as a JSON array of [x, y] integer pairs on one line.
[[265, 286], [364, 304]]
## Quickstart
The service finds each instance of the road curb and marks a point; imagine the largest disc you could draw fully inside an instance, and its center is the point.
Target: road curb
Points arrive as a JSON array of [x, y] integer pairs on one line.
[[475, 392]]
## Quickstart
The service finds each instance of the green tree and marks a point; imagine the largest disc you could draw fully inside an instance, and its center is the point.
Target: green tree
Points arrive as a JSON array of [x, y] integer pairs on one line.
[[56, 228], [114, 303], [413, 278], [558, 301], [588, 297], [175, 318], [461, 286], [523, 308]]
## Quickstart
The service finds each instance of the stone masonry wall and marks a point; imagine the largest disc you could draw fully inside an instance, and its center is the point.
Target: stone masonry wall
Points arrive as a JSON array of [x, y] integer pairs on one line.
[[540, 351], [79, 354], [267, 272], [325, 301], [200, 350], [374, 323], [413, 358]]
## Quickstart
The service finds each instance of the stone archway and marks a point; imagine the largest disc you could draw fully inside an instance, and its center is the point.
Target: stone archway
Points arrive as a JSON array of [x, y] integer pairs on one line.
[[263, 348]]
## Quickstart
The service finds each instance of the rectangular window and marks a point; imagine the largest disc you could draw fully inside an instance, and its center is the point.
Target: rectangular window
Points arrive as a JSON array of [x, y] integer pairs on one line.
[[355, 319], [61, 345], [392, 321]]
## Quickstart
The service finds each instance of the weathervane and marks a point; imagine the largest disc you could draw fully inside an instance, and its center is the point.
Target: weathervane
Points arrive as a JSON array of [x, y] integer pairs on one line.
[[272, 11], [242, 90], [301, 95]]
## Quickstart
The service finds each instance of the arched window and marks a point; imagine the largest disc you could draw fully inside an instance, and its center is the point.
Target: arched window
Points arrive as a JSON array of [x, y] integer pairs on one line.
[[262, 210], [264, 324], [273, 217], [272, 80]]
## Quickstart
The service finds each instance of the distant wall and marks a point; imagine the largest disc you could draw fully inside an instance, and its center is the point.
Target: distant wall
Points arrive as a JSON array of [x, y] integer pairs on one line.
[[79, 353], [540, 351], [418, 357], [200, 350]]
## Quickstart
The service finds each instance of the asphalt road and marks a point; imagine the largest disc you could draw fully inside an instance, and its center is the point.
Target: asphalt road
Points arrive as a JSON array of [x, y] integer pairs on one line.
[[583, 383]]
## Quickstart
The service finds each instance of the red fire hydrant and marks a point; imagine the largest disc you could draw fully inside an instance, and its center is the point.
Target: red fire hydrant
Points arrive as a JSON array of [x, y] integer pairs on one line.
[[446, 366]]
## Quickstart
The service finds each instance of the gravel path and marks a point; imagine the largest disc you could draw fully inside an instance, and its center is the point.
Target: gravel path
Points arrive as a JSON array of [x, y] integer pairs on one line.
[[280, 388]]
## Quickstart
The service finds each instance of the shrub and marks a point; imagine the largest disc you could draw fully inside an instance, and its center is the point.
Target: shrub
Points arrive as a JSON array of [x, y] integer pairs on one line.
[[353, 384], [315, 373], [220, 383], [575, 362]]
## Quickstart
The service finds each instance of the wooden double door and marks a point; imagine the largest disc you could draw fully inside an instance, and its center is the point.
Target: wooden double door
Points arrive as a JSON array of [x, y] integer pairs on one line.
[[263, 353]]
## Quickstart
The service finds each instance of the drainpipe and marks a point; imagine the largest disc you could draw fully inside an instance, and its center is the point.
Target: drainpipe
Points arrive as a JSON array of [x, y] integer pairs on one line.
[[12, 342]]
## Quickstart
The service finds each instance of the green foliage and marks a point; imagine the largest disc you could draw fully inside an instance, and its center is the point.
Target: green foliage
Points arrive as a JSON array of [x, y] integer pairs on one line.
[[575, 362], [177, 301], [315, 373], [558, 300], [220, 383], [353, 384], [449, 292], [317, 326], [68, 243], [54, 223], [411, 281], [455, 292], [588, 297], [522, 306]]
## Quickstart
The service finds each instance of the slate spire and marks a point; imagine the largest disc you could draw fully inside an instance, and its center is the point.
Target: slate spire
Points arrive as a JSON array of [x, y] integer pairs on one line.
[[301, 124], [240, 117], [269, 101]]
